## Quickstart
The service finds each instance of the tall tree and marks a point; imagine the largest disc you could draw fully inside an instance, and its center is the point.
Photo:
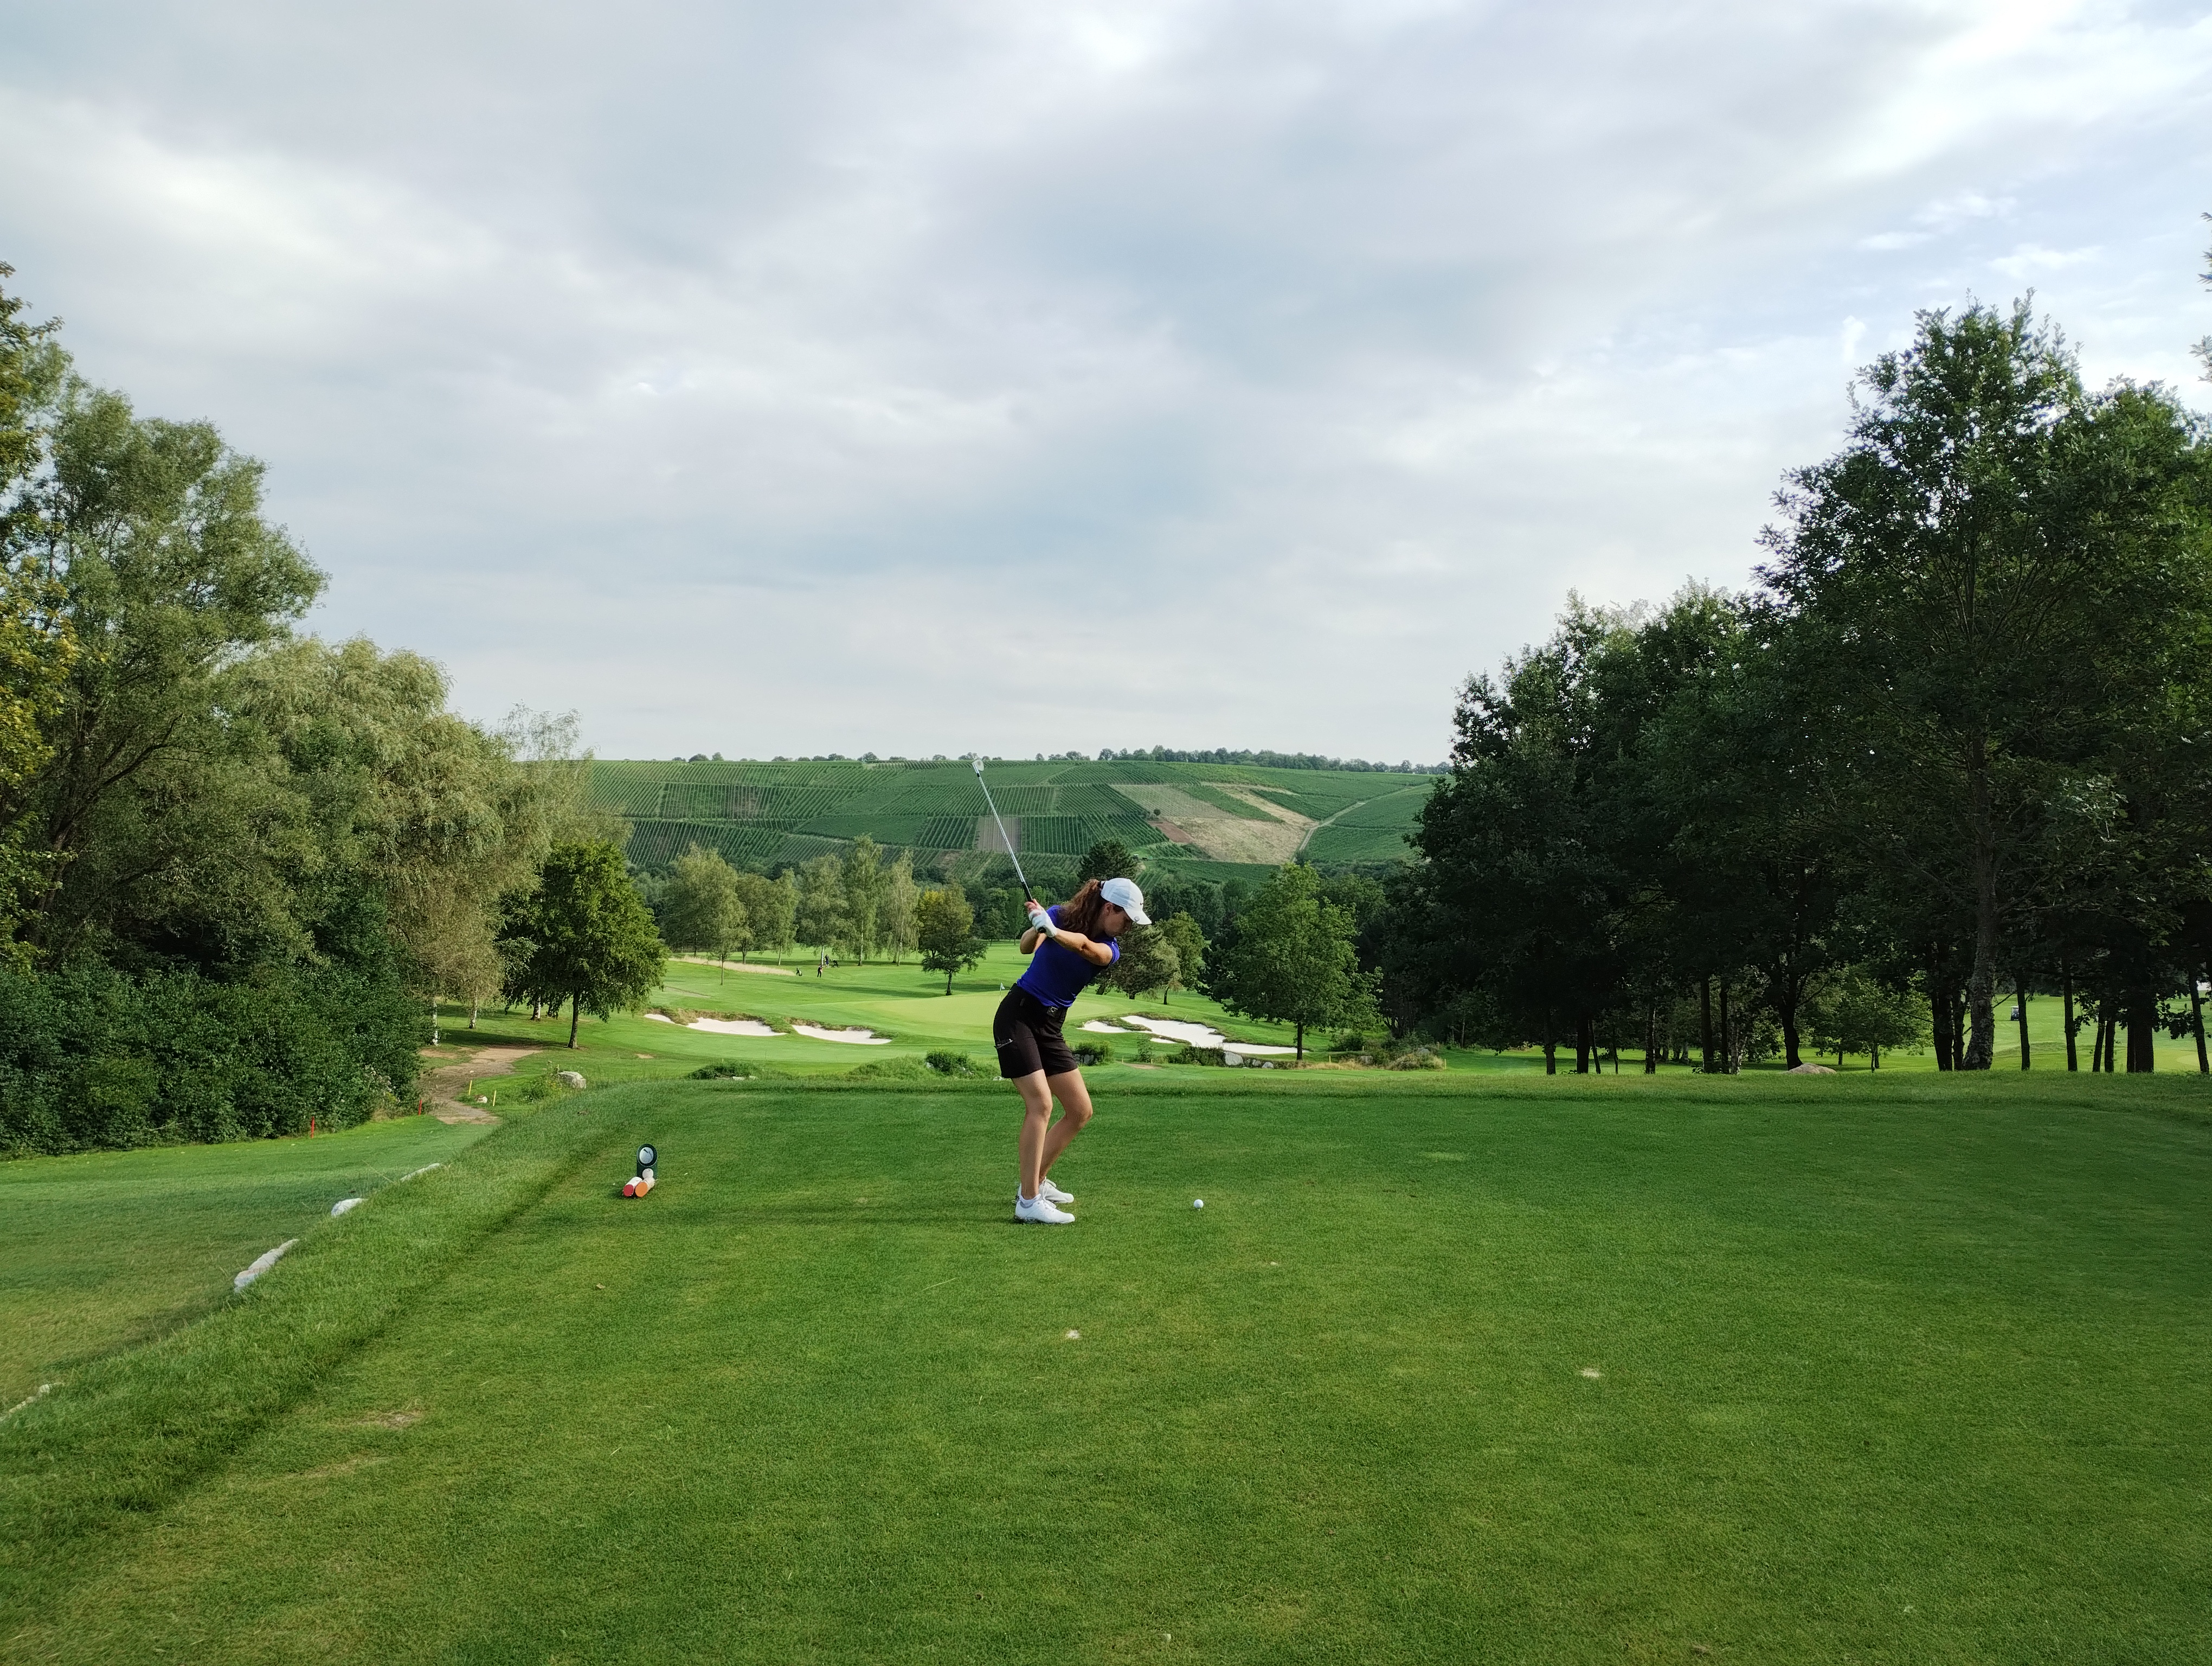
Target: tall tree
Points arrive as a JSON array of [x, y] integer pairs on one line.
[[863, 883], [1180, 933], [820, 919], [1983, 582], [1295, 961], [593, 940], [1109, 858], [702, 908], [945, 926], [894, 922]]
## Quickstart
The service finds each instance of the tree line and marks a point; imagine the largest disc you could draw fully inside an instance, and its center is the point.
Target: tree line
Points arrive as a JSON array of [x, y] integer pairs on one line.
[[1953, 748], [238, 864]]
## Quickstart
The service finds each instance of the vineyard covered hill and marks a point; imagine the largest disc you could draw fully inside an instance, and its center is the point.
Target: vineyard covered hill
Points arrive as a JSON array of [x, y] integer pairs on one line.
[[1202, 815]]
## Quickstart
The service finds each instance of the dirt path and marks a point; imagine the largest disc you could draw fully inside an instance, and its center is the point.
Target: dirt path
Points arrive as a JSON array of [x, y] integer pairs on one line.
[[457, 1064]]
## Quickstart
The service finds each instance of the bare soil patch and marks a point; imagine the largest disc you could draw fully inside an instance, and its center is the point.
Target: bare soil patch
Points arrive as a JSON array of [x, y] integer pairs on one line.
[[443, 1090]]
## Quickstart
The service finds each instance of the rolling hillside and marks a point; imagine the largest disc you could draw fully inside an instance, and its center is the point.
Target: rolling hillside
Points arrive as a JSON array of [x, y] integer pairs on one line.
[[1204, 816]]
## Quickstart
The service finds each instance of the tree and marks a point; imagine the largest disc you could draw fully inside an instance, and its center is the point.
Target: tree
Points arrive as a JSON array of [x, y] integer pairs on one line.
[[702, 908], [594, 943], [863, 878], [1148, 961], [895, 923], [1851, 1011], [1109, 858], [768, 906], [1180, 933], [820, 904], [1988, 585], [944, 928], [1294, 960]]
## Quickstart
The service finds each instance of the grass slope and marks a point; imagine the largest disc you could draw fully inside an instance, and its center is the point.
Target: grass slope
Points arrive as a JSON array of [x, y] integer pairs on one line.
[[101, 1251], [1457, 1368]]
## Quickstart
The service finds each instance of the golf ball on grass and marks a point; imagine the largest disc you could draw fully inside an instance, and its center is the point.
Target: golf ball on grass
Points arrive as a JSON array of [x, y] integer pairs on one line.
[[1197, 1203]]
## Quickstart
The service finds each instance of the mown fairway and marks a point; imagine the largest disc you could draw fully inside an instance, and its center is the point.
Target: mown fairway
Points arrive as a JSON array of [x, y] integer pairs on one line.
[[1903, 1370]]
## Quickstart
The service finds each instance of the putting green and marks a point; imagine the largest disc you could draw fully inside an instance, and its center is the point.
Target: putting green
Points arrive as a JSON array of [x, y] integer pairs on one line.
[[1562, 1371]]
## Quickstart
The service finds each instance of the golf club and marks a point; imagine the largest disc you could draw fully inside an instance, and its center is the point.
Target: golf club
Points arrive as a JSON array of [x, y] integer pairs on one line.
[[1003, 839]]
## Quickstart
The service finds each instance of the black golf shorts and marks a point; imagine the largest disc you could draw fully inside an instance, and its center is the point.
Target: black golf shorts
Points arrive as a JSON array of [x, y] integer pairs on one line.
[[1026, 1032]]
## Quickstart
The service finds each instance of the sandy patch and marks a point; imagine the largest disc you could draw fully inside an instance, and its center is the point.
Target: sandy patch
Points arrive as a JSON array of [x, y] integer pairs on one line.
[[730, 1026], [1174, 833], [1100, 1027], [861, 1037], [442, 1090], [1198, 1034]]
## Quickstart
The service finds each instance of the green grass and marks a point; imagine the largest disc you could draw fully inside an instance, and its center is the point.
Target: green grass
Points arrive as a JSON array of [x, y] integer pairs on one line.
[[901, 1001], [101, 1251], [1899, 1369]]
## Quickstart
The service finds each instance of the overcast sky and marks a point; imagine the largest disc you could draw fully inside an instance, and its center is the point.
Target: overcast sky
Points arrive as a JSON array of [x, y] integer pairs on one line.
[[929, 377]]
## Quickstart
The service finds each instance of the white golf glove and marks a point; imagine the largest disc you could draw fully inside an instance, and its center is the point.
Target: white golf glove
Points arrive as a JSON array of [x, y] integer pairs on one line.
[[1039, 919]]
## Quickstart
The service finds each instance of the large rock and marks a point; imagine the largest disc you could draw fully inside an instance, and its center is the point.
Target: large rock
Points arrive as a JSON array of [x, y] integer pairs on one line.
[[569, 1078]]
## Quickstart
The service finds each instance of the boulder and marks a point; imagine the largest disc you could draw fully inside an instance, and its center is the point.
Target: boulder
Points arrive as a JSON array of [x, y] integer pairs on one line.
[[569, 1078], [1811, 1070]]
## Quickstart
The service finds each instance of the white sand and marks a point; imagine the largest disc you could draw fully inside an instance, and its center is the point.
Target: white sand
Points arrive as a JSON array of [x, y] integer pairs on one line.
[[1198, 1034], [732, 1026], [1099, 1026], [862, 1037]]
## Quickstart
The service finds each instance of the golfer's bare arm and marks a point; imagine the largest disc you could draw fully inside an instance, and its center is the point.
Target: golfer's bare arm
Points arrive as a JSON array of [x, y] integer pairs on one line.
[[1098, 954]]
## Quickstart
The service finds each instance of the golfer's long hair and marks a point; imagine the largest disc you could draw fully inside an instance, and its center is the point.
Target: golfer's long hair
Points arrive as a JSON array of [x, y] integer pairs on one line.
[[1080, 912]]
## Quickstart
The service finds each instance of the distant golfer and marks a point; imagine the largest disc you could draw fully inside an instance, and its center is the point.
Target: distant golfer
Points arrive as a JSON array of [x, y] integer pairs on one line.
[[1072, 944]]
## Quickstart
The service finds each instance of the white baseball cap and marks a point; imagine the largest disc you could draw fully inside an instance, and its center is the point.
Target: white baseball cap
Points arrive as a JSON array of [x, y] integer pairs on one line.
[[1124, 895]]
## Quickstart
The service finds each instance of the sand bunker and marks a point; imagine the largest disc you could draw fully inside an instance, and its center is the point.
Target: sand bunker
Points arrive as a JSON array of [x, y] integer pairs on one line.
[[862, 1037], [1100, 1027], [720, 1026], [1198, 1034]]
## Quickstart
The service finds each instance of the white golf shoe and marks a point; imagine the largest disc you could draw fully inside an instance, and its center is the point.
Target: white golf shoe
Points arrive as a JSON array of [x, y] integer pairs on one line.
[[1041, 1211], [1052, 1193]]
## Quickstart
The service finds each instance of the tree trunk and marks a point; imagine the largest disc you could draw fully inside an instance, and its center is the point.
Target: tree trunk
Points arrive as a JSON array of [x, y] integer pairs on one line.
[[1939, 1014], [1982, 979], [1705, 1025], [2143, 1031], [1551, 1047], [2097, 1046], [1583, 1028], [1728, 1035], [2066, 994], [434, 1020], [1787, 1007], [1651, 1040], [1298, 1043], [2020, 994], [2197, 1023], [575, 1017], [473, 1005], [1874, 1055]]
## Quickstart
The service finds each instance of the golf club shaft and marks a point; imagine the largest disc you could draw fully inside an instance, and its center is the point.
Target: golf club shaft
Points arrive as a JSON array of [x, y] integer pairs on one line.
[[1003, 839]]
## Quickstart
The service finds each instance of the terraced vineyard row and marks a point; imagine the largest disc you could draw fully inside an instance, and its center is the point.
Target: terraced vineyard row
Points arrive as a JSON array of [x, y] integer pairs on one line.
[[769, 815]]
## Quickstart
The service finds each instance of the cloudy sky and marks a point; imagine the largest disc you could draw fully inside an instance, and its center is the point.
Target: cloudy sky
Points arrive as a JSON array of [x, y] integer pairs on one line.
[[929, 377]]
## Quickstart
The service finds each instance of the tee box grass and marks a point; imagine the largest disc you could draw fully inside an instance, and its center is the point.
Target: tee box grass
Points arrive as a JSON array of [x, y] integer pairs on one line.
[[1449, 1368]]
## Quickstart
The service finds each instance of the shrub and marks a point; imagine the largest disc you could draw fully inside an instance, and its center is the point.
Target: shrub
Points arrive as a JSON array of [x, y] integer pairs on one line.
[[1350, 1041], [1090, 1052], [92, 1057], [1189, 1055], [1414, 1058], [891, 1070], [953, 1064], [733, 1070]]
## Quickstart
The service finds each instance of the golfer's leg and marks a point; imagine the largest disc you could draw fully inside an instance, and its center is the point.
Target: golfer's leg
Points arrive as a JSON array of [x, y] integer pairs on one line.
[[1075, 1110], [1036, 1111]]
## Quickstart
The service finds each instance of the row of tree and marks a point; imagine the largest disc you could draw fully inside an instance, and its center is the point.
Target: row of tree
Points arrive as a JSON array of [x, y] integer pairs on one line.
[[1955, 748], [237, 863]]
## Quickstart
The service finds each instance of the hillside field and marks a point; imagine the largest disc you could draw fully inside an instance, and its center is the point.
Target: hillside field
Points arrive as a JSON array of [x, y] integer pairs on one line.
[[1216, 821], [1457, 1367]]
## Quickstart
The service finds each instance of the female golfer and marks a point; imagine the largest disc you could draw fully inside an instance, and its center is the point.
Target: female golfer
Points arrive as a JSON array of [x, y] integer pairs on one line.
[[1072, 944]]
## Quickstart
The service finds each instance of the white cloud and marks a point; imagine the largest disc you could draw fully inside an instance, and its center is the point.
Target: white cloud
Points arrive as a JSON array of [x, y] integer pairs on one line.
[[762, 379]]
